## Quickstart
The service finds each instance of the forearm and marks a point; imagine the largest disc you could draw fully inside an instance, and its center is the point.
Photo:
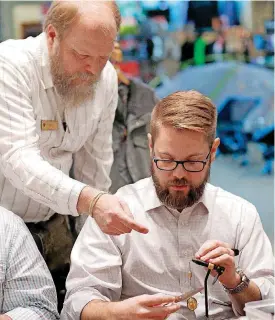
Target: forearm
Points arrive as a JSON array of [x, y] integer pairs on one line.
[[99, 310], [5, 317], [42, 182], [251, 293]]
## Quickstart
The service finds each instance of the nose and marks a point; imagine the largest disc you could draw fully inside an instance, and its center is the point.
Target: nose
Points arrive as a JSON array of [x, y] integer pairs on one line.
[[179, 172], [92, 66]]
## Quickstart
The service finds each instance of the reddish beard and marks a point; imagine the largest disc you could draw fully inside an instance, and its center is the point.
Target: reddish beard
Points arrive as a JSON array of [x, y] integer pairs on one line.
[[178, 200]]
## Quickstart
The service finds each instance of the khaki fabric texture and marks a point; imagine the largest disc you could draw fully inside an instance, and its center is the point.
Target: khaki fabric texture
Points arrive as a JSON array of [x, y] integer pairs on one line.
[[57, 240]]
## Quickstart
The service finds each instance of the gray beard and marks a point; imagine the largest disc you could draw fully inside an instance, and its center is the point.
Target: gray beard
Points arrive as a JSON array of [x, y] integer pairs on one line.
[[178, 200], [71, 95], [74, 97]]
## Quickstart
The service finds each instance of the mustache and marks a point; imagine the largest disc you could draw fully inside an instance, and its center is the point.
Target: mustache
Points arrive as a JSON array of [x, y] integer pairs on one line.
[[178, 182], [83, 76]]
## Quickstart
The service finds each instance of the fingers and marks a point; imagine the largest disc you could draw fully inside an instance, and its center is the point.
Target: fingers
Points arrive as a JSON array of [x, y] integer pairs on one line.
[[155, 300], [224, 260], [219, 251], [133, 225], [114, 232], [119, 223], [114, 217], [124, 224], [125, 208], [129, 221], [158, 306], [208, 246], [163, 312]]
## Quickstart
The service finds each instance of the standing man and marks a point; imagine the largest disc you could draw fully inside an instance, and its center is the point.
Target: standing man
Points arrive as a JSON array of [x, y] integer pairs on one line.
[[58, 95]]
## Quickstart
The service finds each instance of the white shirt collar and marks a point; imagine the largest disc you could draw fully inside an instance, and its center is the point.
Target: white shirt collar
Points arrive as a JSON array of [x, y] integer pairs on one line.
[[45, 62]]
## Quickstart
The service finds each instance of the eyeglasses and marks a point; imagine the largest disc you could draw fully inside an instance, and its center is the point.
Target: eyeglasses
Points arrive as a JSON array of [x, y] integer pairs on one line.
[[188, 165]]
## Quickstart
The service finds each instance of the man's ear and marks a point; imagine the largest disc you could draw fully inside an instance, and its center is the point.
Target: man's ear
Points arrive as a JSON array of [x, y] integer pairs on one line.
[[51, 35], [214, 149], [150, 144]]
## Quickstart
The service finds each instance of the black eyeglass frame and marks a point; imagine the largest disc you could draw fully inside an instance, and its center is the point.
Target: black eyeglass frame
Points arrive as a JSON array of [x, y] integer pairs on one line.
[[177, 162]]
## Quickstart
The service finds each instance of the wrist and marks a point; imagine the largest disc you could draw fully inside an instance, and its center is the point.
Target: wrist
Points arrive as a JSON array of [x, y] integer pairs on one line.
[[93, 203], [116, 311], [244, 283], [99, 310], [233, 282], [113, 311], [84, 199]]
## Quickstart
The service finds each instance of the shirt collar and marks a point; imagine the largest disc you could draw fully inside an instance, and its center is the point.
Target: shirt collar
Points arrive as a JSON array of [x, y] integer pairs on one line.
[[153, 202], [45, 62]]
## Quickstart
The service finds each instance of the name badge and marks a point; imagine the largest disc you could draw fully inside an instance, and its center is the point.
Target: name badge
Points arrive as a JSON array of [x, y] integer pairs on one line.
[[49, 125]]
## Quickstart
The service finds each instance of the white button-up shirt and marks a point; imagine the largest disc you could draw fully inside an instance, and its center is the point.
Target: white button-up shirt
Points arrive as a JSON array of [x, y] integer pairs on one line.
[[35, 164], [113, 268], [27, 290]]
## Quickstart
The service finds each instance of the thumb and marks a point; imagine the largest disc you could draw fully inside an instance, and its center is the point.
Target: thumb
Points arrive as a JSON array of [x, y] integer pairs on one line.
[[131, 221], [126, 209]]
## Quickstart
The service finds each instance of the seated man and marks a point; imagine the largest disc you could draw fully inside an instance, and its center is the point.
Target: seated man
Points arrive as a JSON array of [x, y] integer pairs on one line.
[[27, 288], [135, 276]]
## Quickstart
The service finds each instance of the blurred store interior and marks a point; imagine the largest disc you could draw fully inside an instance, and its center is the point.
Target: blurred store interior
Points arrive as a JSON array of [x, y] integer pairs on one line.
[[225, 49]]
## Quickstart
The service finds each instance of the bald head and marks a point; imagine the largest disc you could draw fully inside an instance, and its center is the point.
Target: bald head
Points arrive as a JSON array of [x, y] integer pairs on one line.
[[63, 15]]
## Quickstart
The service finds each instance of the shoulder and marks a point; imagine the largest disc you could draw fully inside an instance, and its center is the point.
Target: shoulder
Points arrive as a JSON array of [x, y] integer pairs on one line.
[[17, 52], [134, 189], [140, 85], [10, 224], [228, 203], [226, 196], [140, 195], [19, 59]]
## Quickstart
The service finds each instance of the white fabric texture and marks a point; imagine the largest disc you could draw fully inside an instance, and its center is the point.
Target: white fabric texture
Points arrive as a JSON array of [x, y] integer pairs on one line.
[[113, 268], [27, 288]]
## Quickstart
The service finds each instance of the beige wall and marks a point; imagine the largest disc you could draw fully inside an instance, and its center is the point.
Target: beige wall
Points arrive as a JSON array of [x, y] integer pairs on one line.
[[30, 13], [261, 11], [9, 14]]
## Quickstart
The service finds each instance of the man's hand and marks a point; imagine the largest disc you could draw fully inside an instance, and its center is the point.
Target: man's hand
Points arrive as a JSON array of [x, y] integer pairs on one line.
[[145, 307], [4, 317], [219, 253], [113, 216]]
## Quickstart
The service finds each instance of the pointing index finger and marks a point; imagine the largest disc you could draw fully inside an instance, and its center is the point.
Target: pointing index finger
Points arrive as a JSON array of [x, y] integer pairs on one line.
[[131, 223], [129, 219]]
